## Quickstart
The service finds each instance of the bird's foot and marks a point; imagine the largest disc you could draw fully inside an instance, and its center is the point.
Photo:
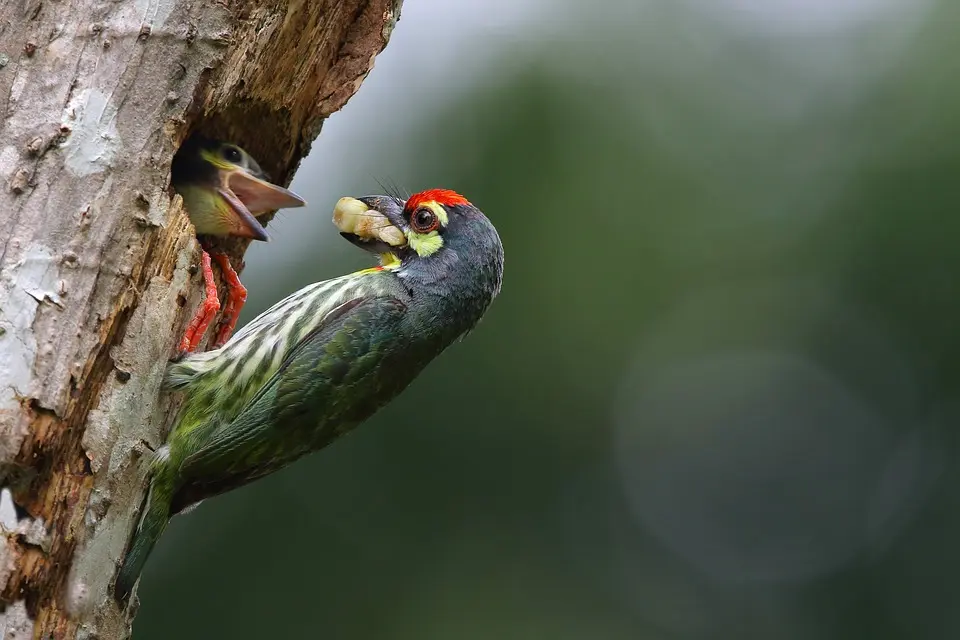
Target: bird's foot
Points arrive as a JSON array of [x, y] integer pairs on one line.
[[211, 304], [236, 297]]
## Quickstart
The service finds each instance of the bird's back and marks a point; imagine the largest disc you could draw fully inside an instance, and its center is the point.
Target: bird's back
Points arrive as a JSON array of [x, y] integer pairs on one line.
[[260, 379]]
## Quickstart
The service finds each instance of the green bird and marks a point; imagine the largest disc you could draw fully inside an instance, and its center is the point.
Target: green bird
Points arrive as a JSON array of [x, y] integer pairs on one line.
[[324, 359], [223, 190]]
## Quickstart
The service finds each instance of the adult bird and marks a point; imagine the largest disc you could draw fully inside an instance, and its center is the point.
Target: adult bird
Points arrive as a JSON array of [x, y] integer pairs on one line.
[[326, 358], [223, 190]]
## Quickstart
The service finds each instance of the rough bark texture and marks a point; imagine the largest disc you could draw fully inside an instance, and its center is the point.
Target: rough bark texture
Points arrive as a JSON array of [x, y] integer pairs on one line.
[[97, 262]]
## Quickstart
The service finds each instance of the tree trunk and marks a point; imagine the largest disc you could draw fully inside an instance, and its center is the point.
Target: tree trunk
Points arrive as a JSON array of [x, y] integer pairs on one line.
[[98, 264]]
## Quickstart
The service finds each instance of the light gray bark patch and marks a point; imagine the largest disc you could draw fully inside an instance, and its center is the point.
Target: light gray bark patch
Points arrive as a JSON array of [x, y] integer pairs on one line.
[[95, 141]]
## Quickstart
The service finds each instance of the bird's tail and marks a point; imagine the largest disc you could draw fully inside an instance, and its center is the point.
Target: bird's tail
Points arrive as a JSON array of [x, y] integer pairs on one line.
[[155, 514]]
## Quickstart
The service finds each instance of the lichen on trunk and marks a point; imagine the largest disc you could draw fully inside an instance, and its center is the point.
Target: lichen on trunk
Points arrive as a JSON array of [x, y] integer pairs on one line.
[[97, 261]]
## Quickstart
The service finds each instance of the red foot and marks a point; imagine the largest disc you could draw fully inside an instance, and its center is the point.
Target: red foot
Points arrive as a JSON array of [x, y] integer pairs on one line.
[[236, 296], [206, 312]]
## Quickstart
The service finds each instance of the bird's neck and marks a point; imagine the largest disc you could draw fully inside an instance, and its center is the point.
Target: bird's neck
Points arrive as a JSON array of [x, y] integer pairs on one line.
[[442, 288]]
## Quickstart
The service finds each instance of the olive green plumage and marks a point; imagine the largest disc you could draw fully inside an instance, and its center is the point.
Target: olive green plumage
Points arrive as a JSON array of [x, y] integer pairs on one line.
[[321, 361]]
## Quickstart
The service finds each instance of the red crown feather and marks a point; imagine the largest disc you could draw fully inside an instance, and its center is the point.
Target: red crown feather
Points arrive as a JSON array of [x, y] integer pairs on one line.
[[444, 197]]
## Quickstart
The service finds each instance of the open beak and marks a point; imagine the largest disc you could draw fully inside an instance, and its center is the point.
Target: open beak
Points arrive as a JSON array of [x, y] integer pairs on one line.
[[259, 196], [367, 227], [246, 196], [239, 221]]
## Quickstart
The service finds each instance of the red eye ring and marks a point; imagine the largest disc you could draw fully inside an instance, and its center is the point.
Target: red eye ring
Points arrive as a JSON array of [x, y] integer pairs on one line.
[[424, 220]]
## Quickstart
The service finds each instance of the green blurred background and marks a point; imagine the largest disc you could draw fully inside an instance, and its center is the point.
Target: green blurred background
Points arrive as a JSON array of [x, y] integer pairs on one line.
[[717, 395]]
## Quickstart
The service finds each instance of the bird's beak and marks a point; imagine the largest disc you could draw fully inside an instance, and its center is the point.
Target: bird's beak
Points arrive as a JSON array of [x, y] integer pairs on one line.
[[243, 197], [260, 196], [234, 217], [370, 223]]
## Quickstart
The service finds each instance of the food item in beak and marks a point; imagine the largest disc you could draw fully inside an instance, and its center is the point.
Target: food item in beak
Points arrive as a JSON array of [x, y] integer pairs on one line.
[[354, 217]]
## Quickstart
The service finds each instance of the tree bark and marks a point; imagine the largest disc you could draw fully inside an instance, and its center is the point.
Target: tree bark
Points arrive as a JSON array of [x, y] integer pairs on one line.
[[98, 262]]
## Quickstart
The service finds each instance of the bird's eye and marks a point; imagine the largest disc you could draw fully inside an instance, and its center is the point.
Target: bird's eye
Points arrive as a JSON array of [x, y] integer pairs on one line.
[[424, 220], [231, 154]]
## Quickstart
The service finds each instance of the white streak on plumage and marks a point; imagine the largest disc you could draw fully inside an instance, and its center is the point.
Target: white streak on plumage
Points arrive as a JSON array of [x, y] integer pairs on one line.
[[231, 366]]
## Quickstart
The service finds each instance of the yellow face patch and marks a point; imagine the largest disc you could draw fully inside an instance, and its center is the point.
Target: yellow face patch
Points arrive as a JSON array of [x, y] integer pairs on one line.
[[215, 159], [425, 244]]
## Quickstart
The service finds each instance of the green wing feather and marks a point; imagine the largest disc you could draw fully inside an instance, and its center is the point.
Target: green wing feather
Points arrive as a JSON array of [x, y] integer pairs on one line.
[[335, 377]]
